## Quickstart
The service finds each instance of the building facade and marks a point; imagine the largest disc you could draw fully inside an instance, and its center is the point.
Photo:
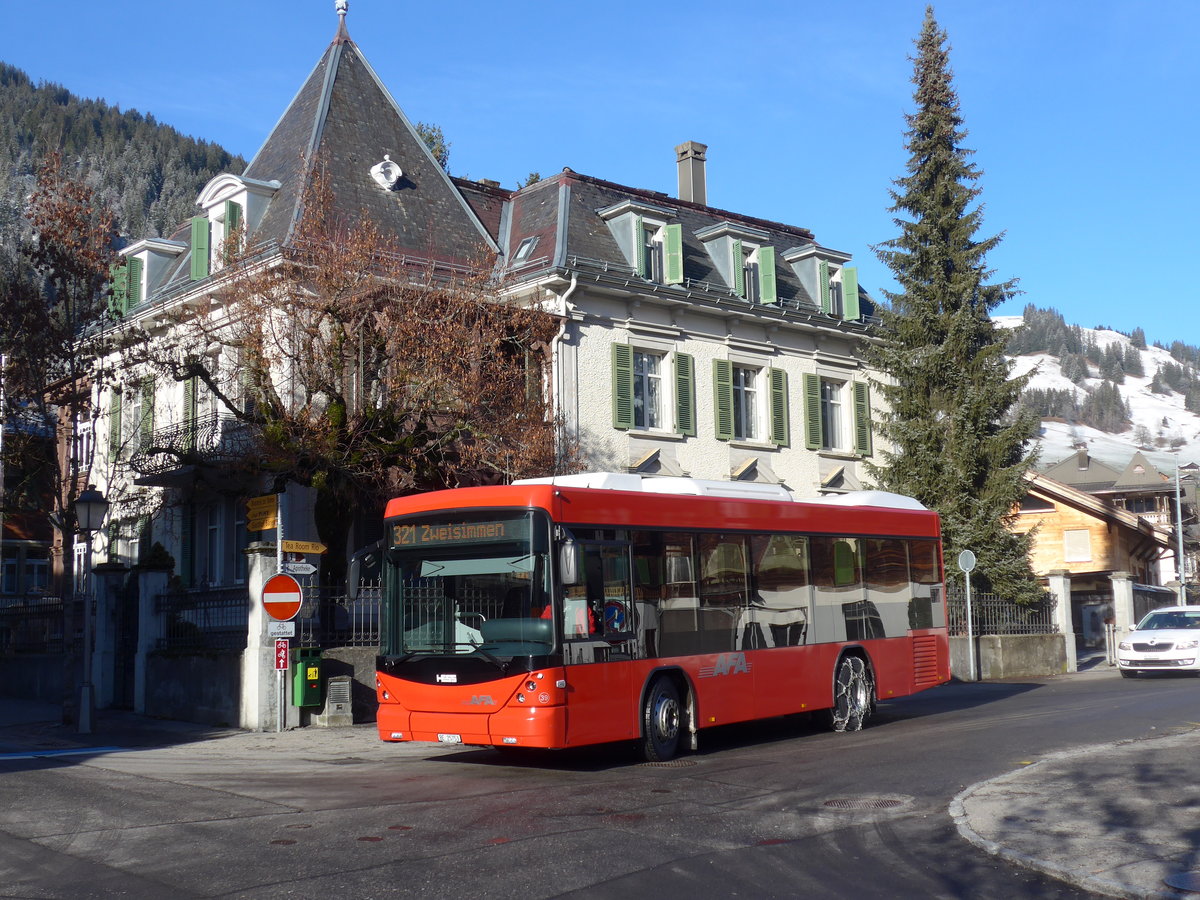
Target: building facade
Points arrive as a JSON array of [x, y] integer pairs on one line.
[[692, 340]]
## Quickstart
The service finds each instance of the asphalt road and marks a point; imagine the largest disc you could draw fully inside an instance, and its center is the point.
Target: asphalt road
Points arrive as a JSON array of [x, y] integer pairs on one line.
[[774, 809]]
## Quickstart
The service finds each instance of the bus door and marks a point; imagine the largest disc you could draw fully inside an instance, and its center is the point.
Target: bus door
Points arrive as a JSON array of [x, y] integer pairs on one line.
[[599, 639]]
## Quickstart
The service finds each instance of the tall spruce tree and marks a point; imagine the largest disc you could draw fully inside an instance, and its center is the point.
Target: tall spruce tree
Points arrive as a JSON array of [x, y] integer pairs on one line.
[[959, 441]]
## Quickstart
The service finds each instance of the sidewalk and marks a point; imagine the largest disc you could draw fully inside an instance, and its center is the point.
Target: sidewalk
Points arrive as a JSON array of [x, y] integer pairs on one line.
[[1117, 819]]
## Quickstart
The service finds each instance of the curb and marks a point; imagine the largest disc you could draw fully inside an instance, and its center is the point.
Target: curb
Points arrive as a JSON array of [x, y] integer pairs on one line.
[[958, 813]]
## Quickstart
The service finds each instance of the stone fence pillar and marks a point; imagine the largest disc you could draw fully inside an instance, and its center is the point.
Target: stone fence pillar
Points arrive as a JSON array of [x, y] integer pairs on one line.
[[152, 581], [1060, 589], [266, 702], [108, 581], [1122, 584]]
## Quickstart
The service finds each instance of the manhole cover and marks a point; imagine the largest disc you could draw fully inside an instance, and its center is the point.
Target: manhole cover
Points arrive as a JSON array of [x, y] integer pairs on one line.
[[1184, 881], [670, 764], [863, 803]]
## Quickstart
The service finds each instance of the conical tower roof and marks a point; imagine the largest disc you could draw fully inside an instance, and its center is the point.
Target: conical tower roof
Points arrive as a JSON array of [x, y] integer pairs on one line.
[[344, 120]]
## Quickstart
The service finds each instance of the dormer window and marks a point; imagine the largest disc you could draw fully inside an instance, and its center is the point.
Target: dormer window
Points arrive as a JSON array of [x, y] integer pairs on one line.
[[231, 205], [652, 245], [744, 258], [756, 268], [831, 284]]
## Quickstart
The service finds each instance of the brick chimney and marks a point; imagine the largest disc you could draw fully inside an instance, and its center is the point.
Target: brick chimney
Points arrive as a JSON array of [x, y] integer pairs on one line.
[[692, 184]]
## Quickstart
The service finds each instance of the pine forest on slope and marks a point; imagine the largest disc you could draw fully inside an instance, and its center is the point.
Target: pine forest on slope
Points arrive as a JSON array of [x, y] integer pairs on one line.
[[147, 173], [1108, 391]]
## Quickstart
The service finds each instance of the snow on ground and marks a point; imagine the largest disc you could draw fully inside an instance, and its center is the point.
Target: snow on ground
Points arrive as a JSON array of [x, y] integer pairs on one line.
[[1163, 416]]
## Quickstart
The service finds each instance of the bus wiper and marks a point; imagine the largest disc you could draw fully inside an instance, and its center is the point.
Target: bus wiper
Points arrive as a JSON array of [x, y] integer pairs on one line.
[[503, 667]]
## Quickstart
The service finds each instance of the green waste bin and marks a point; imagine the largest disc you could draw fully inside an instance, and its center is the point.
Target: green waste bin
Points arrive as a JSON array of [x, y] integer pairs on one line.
[[306, 676]]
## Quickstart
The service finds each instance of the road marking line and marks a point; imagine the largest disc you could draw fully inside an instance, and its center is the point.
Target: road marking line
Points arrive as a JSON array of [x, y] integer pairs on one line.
[[43, 754]]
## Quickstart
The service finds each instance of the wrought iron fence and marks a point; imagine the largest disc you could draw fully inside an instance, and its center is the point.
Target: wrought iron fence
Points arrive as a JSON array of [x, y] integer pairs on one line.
[[330, 618], [204, 620], [32, 624], [992, 615]]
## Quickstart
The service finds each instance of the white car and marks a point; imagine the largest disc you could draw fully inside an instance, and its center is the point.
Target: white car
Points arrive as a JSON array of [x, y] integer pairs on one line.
[[1166, 640]]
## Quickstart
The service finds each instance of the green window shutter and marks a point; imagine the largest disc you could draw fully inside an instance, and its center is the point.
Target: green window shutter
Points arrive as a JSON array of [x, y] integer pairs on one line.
[[189, 413], [200, 237], [779, 407], [850, 308], [766, 275], [862, 419], [622, 374], [639, 245], [233, 216], [812, 412], [673, 254], [723, 398], [114, 533], [114, 426], [823, 283], [739, 270], [187, 544], [685, 394], [133, 293], [118, 277], [146, 426]]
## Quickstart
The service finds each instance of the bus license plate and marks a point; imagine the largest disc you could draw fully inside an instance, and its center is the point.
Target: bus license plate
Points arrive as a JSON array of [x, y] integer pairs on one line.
[[450, 738]]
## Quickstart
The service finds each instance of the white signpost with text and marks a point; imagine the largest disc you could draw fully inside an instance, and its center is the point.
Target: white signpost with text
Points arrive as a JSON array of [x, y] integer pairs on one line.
[[966, 562]]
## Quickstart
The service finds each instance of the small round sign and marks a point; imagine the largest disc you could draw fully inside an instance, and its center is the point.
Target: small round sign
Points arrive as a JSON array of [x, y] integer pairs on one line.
[[966, 561], [282, 597]]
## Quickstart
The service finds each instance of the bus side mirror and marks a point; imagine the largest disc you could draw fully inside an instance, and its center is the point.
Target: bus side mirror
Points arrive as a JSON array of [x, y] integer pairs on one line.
[[568, 562], [365, 560]]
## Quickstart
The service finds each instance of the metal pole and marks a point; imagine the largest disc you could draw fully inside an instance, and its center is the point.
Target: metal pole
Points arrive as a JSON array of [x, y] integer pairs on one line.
[[3, 494], [970, 631], [86, 698], [1179, 535]]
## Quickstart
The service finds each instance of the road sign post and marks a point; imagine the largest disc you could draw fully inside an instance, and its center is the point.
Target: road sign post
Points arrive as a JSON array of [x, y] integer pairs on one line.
[[966, 562], [281, 664]]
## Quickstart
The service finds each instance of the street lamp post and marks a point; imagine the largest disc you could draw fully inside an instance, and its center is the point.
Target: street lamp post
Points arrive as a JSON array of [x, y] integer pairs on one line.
[[90, 510]]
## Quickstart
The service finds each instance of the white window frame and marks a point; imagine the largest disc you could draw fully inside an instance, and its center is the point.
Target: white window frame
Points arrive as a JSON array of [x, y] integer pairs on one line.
[[650, 390], [131, 415], [748, 402], [214, 547], [833, 414]]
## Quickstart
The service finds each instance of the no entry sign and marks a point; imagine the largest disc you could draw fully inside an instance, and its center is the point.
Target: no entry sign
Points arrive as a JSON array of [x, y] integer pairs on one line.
[[281, 597]]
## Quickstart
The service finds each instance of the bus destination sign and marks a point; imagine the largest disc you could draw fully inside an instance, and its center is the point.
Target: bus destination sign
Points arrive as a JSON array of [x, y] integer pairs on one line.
[[440, 534]]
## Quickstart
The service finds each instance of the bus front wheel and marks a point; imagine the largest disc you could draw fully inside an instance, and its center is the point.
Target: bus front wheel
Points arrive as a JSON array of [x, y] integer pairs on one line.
[[853, 695], [662, 720]]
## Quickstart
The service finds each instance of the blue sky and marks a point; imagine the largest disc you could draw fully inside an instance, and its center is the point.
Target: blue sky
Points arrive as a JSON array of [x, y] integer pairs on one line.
[[1082, 114]]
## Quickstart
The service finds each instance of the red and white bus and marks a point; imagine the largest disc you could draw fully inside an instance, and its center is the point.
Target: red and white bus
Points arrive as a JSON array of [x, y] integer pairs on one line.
[[605, 607]]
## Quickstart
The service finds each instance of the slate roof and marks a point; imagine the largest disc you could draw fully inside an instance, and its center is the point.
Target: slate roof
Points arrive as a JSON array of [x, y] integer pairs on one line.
[[562, 212], [344, 119]]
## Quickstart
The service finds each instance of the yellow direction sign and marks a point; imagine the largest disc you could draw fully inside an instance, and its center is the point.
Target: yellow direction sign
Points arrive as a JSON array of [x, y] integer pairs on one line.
[[261, 522], [303, 547], [259, 506]]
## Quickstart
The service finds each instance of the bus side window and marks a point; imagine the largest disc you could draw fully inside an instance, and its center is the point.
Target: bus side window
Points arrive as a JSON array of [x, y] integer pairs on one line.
[[779, 604]]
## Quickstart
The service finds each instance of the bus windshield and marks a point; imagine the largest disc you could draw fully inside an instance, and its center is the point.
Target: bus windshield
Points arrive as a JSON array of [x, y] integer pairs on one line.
[[469, 584]]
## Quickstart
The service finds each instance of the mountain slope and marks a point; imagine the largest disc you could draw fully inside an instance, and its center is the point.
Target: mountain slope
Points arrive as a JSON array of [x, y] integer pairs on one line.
[[1159, 423], [147, 173]]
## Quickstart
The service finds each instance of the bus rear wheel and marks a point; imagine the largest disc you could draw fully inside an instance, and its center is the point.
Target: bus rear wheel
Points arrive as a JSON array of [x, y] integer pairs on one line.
[[853, 695], [662, 721]]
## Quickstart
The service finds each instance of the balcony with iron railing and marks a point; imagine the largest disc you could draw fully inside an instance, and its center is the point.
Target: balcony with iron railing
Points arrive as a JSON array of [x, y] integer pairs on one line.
[[209, 440]]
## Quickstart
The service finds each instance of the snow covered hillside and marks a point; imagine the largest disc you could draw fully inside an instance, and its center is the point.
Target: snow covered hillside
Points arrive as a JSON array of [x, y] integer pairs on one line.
[[1160, 422]]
